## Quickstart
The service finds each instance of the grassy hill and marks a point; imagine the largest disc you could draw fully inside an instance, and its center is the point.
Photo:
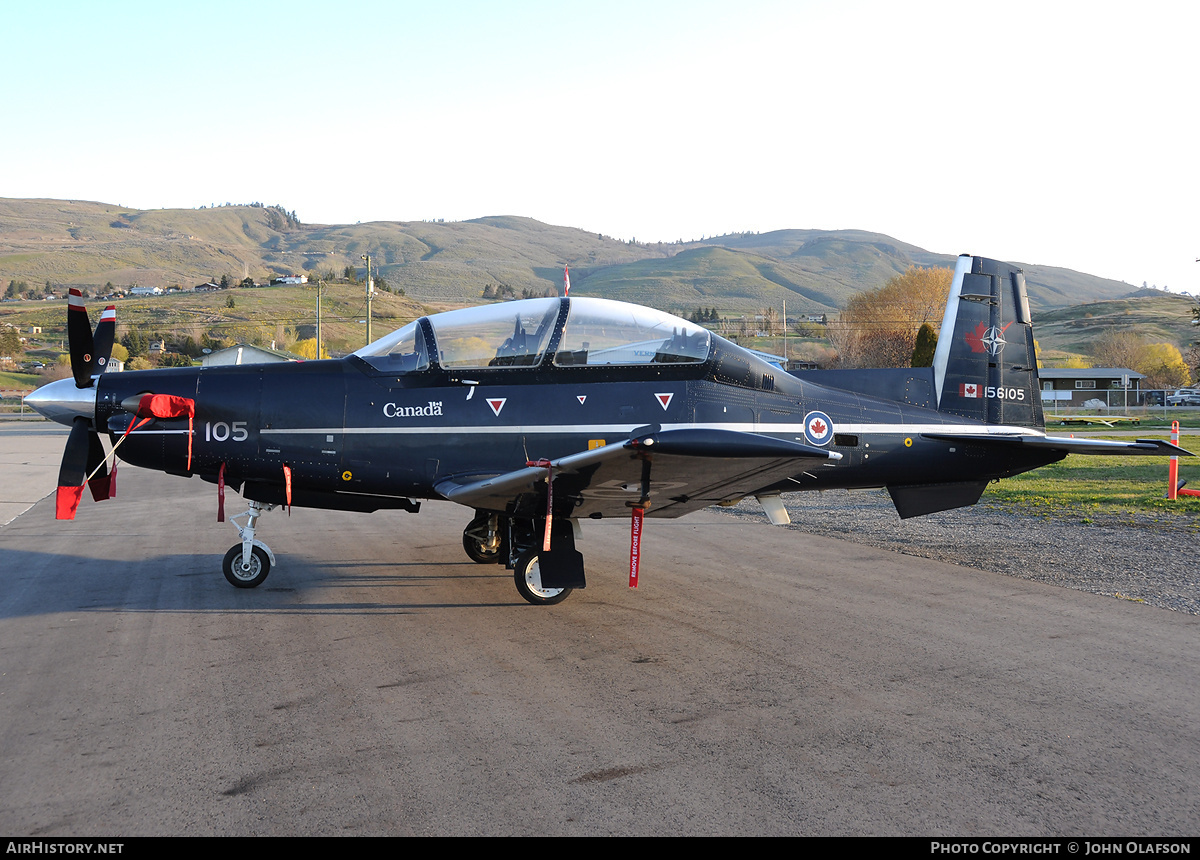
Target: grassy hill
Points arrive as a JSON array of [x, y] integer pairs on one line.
[[1159, 316], [69, 242]]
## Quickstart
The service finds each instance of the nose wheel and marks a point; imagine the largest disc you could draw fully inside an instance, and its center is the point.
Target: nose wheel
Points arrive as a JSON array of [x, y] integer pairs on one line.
[[247, 563], [249, 573]]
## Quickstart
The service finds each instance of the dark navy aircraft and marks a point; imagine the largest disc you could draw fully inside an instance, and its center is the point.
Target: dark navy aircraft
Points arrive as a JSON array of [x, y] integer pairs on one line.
[[540, 413]]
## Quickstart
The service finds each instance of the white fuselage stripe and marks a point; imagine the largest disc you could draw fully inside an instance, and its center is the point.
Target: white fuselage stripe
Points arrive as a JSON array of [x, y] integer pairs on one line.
[[768, 429]]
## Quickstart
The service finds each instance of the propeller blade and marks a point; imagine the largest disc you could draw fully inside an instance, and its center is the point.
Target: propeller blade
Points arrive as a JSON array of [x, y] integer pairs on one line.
[[73, 470], [106, 332], [97, 466], [80, 340]]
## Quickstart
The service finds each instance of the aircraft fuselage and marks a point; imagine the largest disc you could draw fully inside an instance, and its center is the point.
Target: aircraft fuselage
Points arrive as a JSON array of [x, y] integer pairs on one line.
[[348, 431]]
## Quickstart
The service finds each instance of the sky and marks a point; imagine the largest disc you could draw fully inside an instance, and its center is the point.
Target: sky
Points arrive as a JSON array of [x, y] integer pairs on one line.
[[1055, 133]]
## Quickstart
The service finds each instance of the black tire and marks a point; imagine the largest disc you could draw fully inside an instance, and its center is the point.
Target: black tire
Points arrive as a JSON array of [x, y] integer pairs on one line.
[[529, 582], [260, 566], [475, 547]]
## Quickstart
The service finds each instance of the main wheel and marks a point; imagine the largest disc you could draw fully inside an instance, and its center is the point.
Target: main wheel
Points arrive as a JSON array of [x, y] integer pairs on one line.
[[528, 576], [479, 547], [246, 577]]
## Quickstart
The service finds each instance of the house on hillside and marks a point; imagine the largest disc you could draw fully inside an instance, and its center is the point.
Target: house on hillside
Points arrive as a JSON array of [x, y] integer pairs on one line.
[[206, 288], [1116, 386]]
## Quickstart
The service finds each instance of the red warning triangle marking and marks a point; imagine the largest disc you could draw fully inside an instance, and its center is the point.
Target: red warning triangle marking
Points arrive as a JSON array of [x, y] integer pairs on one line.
[[664, 399], [497, 403], [581, 398]]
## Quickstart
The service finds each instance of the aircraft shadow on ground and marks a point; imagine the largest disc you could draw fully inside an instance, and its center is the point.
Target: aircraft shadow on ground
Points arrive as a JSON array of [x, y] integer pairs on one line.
[[41, 583]]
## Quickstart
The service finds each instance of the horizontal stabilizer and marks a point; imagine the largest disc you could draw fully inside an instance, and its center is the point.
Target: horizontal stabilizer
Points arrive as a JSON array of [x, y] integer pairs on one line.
[[1071, 445]]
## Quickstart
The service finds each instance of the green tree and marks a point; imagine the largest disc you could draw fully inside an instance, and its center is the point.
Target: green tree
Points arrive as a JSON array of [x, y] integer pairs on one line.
[[925, 347], [135, 343], [10, 341]]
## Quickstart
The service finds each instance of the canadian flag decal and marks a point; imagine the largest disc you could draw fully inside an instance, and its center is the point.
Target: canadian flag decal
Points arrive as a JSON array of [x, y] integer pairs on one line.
[[664, 399], [497, 403], [969, 389]]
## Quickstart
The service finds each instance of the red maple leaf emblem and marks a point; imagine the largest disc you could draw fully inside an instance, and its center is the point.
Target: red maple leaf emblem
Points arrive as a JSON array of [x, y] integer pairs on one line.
[[818, 427], [975, 339]]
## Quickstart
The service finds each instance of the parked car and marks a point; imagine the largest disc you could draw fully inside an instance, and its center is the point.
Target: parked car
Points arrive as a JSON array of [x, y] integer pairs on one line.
[[1184, 397], [1154, 398]]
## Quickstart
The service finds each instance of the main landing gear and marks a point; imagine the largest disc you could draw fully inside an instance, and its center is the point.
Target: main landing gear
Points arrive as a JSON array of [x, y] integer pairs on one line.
[[527, 573], [247, 564], [541, 578]]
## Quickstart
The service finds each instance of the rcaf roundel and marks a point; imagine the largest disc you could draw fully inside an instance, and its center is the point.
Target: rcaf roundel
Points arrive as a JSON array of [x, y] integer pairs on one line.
[[664, 399], [818, 429], [497, 403]]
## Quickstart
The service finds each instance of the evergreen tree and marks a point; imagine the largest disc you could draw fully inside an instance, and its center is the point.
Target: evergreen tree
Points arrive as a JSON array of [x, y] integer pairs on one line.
[[925, 346]]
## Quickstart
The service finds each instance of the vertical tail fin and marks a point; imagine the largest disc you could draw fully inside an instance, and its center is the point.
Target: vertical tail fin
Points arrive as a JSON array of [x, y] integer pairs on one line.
[[985, 367]]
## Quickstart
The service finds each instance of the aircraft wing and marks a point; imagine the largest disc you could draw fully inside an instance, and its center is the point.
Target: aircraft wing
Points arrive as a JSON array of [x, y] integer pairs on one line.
[[673, 471], [1071, 445]]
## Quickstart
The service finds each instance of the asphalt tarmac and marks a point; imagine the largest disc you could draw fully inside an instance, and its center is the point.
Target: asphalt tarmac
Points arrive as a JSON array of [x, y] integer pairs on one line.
[[758, 682]]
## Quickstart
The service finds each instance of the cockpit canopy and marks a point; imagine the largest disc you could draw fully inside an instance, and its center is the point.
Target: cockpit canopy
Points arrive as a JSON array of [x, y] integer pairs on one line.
[[519, 334]]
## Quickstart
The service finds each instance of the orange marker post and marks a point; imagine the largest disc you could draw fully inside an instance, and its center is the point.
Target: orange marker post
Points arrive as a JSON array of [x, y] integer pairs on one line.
[[1173, 466]]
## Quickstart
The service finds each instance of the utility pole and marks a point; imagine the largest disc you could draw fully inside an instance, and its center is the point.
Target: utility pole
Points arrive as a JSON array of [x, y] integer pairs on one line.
[[319, 285], [370, 285]]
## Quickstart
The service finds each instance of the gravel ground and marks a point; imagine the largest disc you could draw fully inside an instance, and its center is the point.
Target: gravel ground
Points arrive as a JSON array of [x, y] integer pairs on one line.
[[1149, 558]]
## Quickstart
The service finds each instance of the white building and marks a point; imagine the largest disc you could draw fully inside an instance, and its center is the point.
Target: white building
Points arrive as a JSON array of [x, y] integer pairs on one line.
[[246, 353]]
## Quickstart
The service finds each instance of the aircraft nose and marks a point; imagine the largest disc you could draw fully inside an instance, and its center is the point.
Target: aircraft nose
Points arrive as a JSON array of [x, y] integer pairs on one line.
[[61, 401]]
